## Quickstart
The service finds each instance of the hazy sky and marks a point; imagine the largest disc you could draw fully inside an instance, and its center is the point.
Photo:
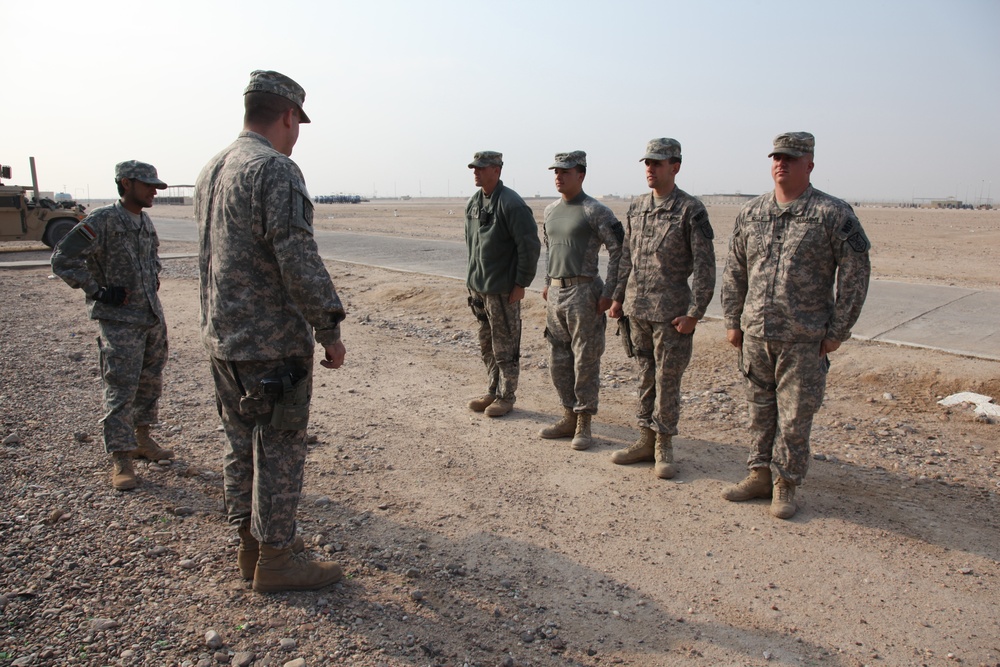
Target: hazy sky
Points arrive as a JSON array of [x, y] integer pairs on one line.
[[903, 96]]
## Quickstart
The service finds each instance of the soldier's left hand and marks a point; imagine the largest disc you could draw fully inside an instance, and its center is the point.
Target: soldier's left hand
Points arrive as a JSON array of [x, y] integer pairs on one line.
[[603, 304], [334, 355], [828, 345], [684, 324], [516, 294]]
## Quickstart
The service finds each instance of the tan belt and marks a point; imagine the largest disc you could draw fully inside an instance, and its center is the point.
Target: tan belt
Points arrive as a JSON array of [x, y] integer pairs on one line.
[[569, 282]]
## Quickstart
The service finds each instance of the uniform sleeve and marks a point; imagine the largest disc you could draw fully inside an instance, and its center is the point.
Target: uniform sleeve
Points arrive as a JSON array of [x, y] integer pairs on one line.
[[701, 240], [612, 234], [69, 259], [524, 231], [545, 238], [288, 218], [625, 263], [734, 277], [851, 249]]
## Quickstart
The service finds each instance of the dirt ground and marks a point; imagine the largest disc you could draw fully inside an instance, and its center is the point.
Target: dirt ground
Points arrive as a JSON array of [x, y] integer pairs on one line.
[[471, 541]]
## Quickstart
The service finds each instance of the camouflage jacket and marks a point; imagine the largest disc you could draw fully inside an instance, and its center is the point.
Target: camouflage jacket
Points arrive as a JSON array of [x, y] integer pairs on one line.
[[664, 245], [798, 275], [108, 249], [263, 286], [501, 236], [574, 232]]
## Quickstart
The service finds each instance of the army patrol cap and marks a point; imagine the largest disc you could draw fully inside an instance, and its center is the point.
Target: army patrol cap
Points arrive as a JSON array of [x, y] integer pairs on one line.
[[662, 149], [266, 81], [795, 144], [138, 171], [570, 160], [486, 159]]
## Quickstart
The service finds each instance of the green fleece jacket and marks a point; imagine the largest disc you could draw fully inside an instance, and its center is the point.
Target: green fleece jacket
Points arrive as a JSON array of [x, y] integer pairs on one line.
[[502, 238]]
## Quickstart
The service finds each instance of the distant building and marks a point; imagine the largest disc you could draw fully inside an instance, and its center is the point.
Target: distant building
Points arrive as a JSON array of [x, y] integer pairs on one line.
[[736, 199], [950, 202]]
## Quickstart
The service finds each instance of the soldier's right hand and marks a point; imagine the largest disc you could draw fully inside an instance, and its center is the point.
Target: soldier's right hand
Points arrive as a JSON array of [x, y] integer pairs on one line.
[[616, 310], [334, 355], [112, 295]]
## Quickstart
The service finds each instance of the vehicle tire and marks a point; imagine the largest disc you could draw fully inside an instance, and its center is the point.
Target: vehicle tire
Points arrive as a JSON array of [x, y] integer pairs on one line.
[[56, 229]]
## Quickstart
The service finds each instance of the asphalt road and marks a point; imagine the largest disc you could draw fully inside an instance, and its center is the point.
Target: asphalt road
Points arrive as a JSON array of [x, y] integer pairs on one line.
[[952, 319]]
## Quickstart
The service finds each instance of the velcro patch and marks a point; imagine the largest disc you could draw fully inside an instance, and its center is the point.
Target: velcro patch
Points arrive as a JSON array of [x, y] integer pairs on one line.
[[78, 239], [858, 242], [846, 228]]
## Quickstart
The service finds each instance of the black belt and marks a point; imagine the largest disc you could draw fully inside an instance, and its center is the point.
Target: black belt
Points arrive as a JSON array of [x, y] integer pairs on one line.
[[569, 282]]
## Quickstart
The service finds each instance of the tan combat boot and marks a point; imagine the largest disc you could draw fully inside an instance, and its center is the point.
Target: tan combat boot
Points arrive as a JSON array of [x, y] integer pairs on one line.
[[499, 407], [639, 451], [582, 438], [664, 456], [249, 551], [481, 403], [149, 448], [783, 503], [283, 570], [123, 474], [756, 485], [564, 428]]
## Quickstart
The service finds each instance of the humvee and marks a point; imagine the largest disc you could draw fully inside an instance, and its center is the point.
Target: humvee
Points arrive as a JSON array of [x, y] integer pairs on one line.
[[34, 218]]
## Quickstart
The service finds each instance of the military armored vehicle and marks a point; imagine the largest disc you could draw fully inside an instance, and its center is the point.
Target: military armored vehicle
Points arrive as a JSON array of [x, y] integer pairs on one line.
[[34, 218]]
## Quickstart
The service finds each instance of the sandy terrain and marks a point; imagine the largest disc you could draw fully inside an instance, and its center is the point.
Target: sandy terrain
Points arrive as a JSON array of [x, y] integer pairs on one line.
[[470, 541]]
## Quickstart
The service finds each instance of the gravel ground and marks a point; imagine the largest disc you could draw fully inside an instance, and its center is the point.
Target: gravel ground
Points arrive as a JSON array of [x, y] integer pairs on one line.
[[468, 541]]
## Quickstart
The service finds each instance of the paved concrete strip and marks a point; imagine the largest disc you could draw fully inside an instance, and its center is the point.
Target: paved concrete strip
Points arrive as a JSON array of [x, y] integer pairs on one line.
[[952, 319]]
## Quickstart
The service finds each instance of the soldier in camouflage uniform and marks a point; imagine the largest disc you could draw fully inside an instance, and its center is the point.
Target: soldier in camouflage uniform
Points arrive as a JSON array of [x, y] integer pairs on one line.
[[265, 296], [576, 225], [112, 256], [668, 238], [502, 239], [795, 281]]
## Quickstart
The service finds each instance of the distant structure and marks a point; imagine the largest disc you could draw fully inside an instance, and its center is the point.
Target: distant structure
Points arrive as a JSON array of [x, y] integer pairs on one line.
[[947, 202], [177, 195], [736, 199], [339, 199]]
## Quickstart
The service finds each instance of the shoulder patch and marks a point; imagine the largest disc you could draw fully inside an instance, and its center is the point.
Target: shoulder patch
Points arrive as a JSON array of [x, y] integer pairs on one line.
[[858, 242], [846, 228], [618, 231], [77, 240]]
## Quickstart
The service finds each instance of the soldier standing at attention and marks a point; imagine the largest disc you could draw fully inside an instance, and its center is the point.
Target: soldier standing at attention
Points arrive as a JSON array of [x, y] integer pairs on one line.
[[502, 239], [668, 238], [575, 227], [795, 281], [265, 296], [112, 256]]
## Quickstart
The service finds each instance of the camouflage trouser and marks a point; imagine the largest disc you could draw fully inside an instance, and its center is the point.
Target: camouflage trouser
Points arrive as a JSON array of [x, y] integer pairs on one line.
[[575, 331], [132, 358], [785, 385], [262, 466], [663, 355], [499, 341]]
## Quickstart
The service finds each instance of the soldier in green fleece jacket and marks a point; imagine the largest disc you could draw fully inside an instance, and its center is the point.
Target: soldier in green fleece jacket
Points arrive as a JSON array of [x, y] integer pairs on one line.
[[502, 238]]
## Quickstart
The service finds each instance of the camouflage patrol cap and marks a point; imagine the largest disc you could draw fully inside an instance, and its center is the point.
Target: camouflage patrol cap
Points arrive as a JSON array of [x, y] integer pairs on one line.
[[486, 159], [266, 81], [138, 171], [795, 144], [570, 160], [662, 149]]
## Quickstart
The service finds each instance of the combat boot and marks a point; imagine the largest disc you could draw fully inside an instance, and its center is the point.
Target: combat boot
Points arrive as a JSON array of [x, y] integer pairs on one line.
[[664, 456], [283, 570], [123, 474], [481, 403], [783, 503], [564, 428], [582, 438], [499, 407], [756, 485], [639, 451], [249, 551], [149, 448]]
